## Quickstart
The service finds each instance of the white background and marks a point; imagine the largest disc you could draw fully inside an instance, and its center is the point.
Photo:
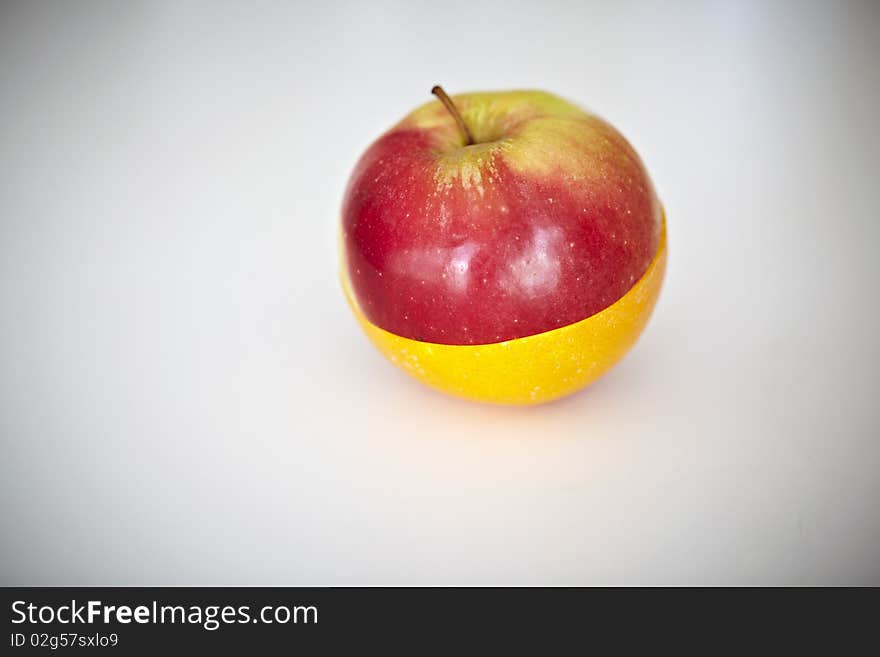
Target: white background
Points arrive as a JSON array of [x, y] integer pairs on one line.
[[185, 398]]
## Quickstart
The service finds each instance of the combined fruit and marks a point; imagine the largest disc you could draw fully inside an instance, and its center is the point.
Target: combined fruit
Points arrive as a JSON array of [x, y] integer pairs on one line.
[[506, 247]]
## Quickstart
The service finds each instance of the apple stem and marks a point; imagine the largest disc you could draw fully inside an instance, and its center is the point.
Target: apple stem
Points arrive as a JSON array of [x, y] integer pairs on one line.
[[447, 102]]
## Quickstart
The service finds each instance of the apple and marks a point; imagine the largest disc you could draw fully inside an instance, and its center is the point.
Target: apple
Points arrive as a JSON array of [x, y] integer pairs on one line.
[[486, 218]]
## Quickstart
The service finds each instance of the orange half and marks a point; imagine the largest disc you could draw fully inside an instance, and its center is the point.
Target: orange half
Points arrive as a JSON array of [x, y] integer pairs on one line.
[[531, 370]]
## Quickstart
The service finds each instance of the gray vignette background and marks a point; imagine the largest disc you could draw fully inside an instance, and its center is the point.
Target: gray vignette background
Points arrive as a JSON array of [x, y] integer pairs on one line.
[[185, 399]]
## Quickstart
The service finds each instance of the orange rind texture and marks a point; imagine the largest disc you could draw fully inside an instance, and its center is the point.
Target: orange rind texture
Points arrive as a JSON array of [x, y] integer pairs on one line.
[[534, 369]]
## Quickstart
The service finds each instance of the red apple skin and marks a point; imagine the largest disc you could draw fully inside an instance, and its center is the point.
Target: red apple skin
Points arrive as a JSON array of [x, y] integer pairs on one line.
[[503, 253]]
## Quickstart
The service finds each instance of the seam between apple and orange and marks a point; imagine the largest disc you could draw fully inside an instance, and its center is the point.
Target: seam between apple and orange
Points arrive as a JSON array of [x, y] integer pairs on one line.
[[531, 370]]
